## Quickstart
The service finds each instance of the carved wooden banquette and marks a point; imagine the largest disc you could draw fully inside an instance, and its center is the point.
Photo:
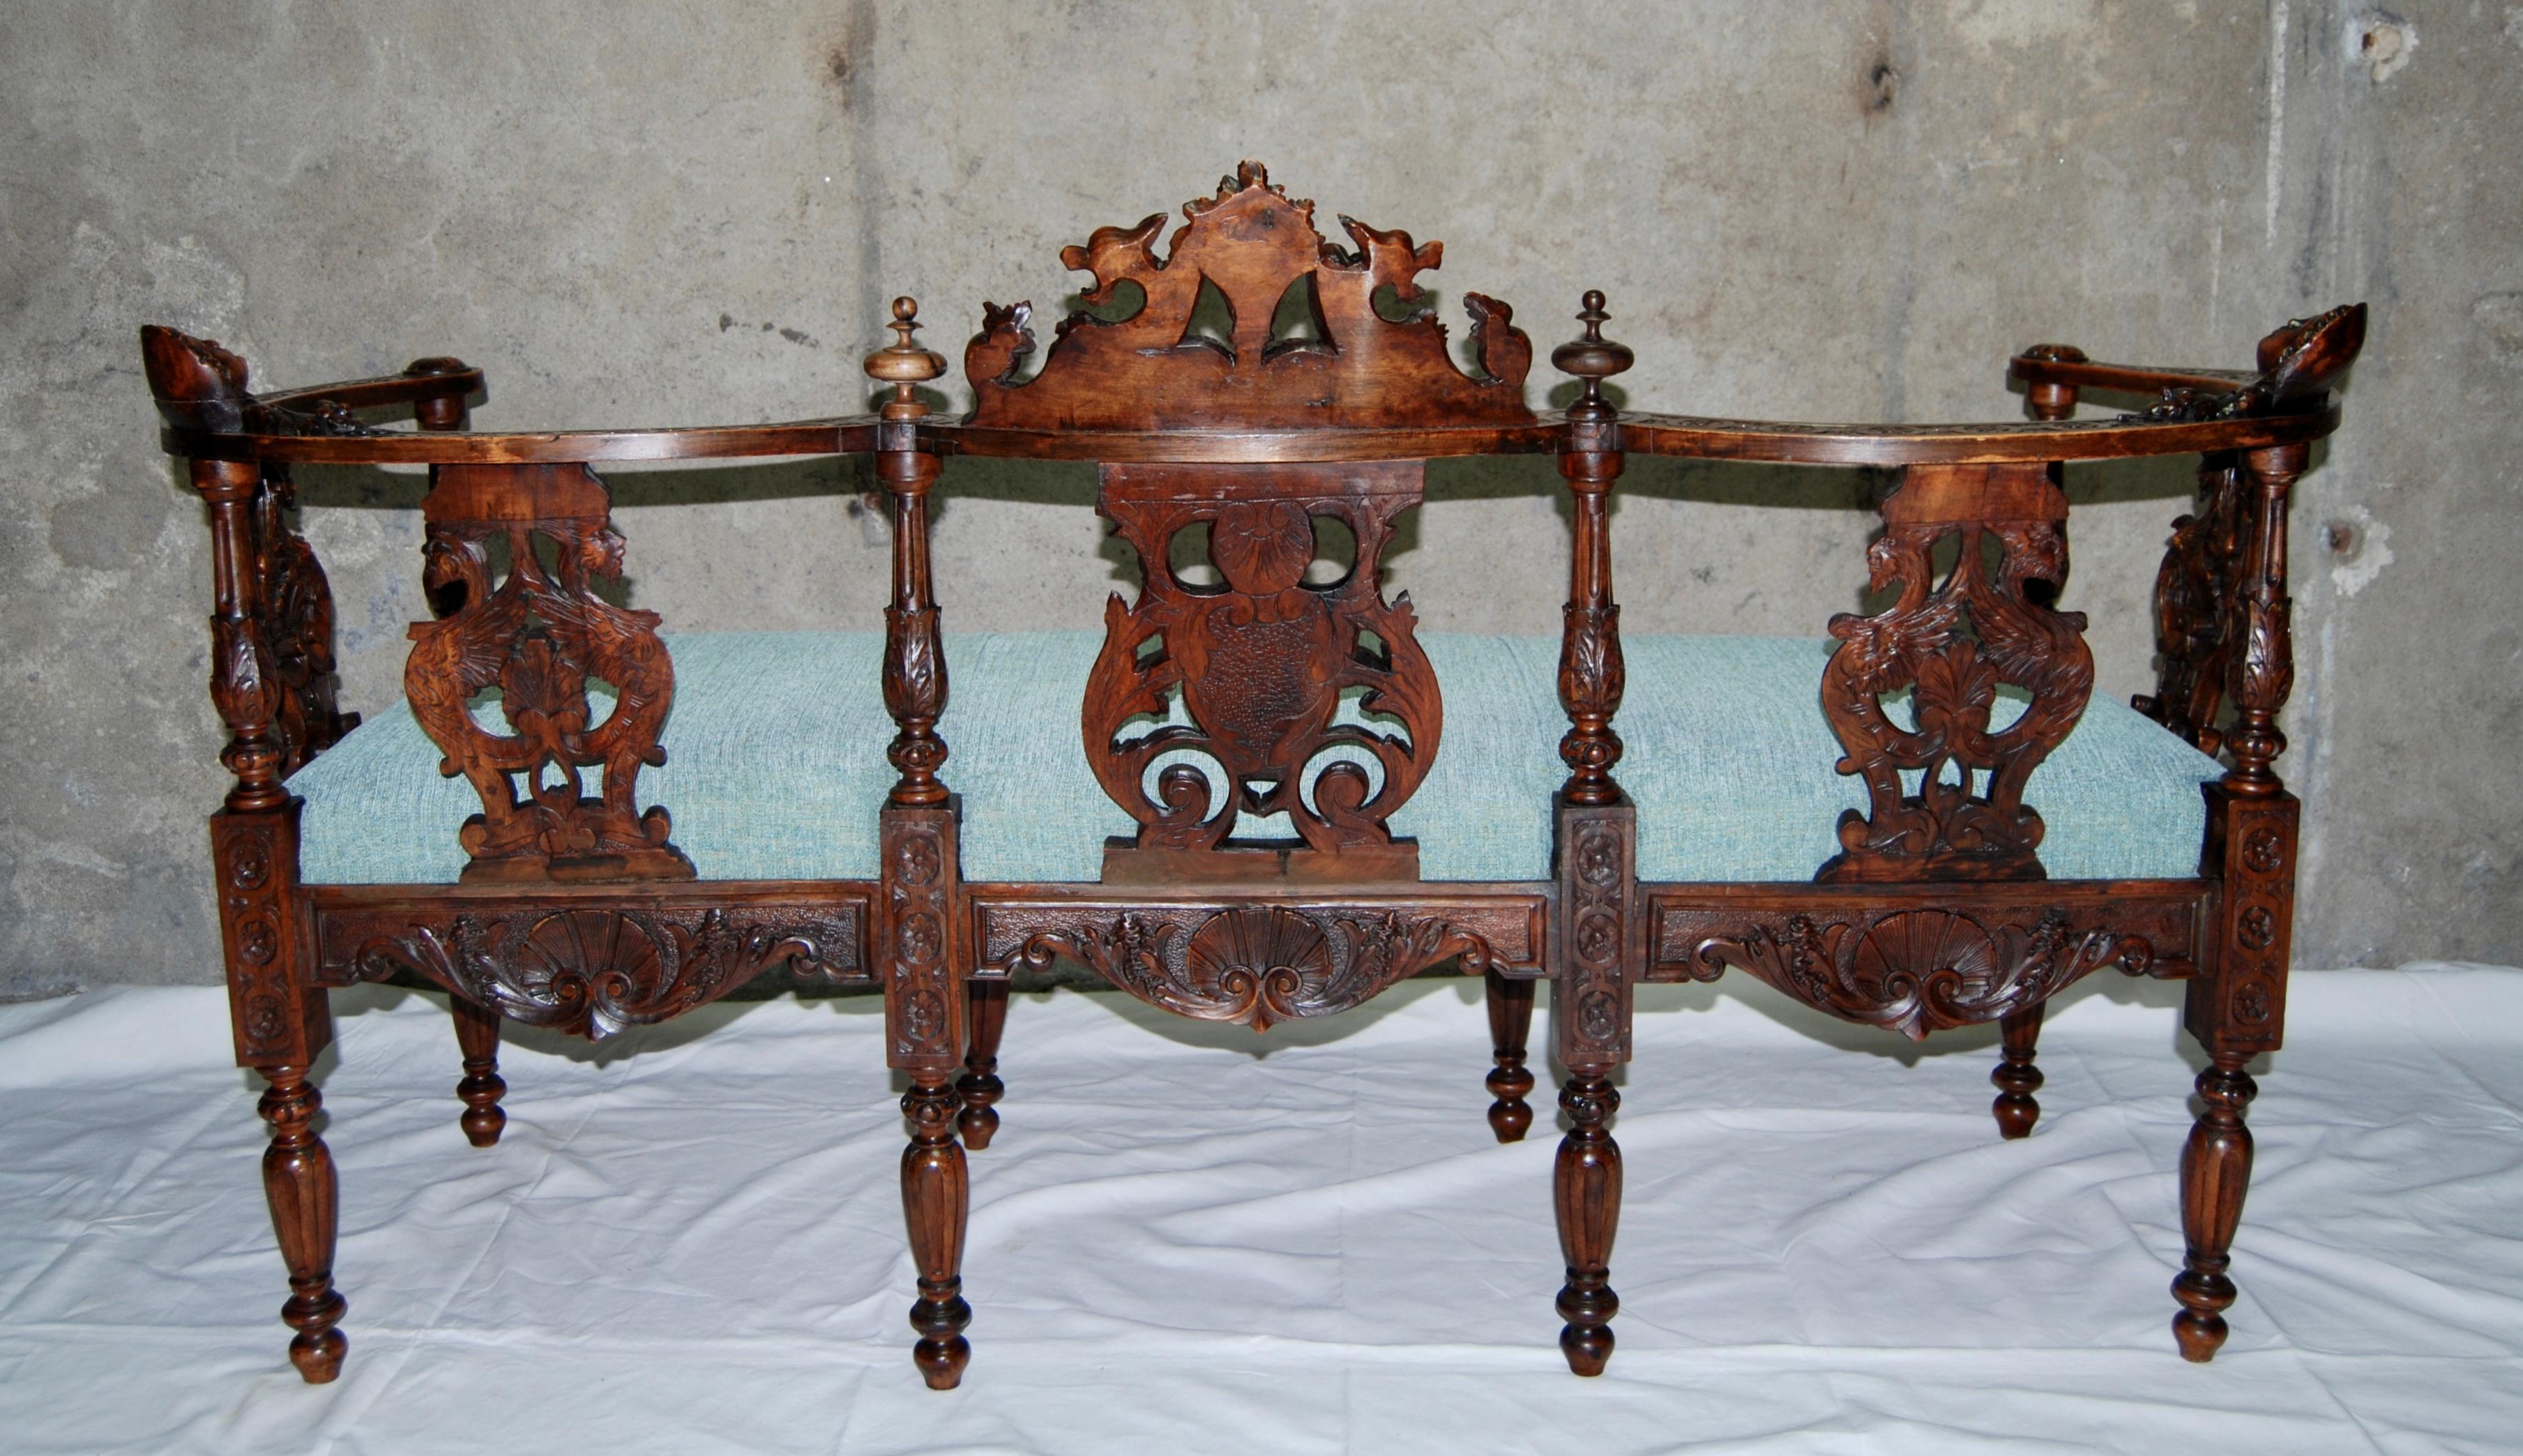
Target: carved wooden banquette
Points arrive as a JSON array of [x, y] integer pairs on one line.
[[1260, 695]]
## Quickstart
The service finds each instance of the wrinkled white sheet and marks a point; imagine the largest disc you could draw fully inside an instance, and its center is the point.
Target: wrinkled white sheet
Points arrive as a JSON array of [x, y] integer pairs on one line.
[[690, 1239]]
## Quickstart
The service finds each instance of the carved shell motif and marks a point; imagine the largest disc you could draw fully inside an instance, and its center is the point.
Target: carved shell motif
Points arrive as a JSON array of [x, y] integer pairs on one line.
[[1270, 958]]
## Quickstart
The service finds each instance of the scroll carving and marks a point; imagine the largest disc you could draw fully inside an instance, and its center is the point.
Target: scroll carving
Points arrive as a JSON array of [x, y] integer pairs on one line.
[[1256, 964], [1356, 364], [540, 636], [1921, 969], [593, 970], [1261, 662], [1953, 643]]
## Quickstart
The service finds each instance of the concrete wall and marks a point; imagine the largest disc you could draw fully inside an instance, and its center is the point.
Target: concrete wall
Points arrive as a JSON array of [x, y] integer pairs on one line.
[[648, 214]]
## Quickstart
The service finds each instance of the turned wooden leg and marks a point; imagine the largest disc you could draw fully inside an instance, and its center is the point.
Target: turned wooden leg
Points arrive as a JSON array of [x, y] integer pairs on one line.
[[1585, 1185], [979, 1086], [2015, 1076], [477, 1036], [937, 1198], [298, 1182], [1510, 1017], [2216, 1169]]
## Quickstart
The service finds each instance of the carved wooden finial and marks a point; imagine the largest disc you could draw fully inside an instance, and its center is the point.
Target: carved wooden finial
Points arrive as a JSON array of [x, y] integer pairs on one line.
[[904, 364], [1593, 358]]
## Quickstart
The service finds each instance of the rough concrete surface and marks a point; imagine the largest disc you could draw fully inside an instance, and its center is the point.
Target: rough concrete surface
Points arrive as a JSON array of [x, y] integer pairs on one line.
[[669, 214]]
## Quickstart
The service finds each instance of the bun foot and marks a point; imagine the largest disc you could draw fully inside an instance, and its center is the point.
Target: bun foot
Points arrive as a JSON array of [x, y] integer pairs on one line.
[[319, 1349], [1511, 1115], [942, 1351], [1589, 1347]]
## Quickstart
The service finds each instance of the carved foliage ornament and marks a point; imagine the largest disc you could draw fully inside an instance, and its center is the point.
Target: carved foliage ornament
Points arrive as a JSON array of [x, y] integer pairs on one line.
[[540, 636], [1953, 643], [2298, 361], [1261, 661], [596, 971], [1259, 965], [1920, 970], [2195, 618], [1355, 363]]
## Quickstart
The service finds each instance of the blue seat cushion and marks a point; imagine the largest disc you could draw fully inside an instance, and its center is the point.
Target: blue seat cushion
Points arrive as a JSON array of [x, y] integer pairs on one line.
[[775, 768]]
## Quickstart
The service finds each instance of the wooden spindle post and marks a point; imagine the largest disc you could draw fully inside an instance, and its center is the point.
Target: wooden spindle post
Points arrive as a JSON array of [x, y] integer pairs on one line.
[[2015, 1076], [1590, 672], [477, 1037], [1510, 1006]]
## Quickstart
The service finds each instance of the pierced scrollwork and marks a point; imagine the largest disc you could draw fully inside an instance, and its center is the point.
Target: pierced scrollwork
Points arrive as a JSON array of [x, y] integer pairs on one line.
[[294, 612], [1920, 970], [540, 636], [1261, 663], [1953, 644], [1257, 964], [1368, 358], [2196, 594], [594, 971]]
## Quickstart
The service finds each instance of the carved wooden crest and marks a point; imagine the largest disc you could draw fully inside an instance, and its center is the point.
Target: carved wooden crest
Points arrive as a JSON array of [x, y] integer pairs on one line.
[[1363, 356], [1953, 643], [540, 636], [2298, 361], [1260, 661]]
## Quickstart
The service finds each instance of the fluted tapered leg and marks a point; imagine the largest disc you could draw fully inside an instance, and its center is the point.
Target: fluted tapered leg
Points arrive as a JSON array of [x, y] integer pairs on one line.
[[936, 1199], [979, 1086], [2215, 1170], [2015, 1077], [298, 1182], [1510, 1004], [477, 1037], [1585, 1185]]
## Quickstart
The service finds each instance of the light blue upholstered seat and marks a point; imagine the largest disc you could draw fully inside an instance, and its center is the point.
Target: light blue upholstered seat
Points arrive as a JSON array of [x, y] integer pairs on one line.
[[776, 766]]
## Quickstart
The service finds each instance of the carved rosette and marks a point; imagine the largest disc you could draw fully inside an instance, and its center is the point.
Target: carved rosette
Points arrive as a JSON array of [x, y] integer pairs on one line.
[[914, 944], [278, 1020], [1952, 644], [1254, 965], [2244, 1010], [1920, 969], [593, 970], [540, 636], [1350, 364], [1597, 887], [1261, 662]]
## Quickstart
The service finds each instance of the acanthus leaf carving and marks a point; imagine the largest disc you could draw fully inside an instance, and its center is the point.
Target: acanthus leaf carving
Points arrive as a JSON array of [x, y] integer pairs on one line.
[[1257, 966], [1918, 971], [594, 971]]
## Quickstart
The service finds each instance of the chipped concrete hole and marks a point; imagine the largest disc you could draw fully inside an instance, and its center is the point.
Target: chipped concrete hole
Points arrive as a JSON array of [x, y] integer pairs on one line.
[[2382, 43], [2340, 540]]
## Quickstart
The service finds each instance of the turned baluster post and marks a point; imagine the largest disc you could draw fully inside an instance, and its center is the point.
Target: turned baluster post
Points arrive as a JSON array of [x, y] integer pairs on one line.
[[919, 911], [2240, 1011], [1510, 1006], [1596, 931], [979, 1086], [2015, 1076], [477, 1037]]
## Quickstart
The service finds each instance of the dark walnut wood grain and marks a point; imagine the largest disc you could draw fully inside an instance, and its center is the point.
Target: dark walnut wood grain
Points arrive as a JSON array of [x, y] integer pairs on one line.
[[1950, 644], [1258, 252], [540, 634], [1249, 383]]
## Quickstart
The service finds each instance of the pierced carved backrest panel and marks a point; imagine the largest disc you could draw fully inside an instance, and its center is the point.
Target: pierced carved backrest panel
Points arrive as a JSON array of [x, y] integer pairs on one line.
[[2195, 619], [1952, 644], [1260, 660], [294, 611], [1351, 365], [540, 635]]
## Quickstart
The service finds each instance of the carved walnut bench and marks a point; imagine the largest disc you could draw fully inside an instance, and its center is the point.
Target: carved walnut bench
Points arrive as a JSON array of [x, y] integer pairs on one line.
[[578, 820]]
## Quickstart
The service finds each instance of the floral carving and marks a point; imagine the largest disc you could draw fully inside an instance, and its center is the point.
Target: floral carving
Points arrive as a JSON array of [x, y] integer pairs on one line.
[[1353, 364], [1259, 965], [1920, 970], [1953, 644], [595, 971], [1261, 663], [539, 636], [2195, 590]]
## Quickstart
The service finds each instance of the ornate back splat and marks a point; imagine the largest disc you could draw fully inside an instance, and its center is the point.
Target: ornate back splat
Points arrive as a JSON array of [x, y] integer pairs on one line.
[[539, 636], [1261, 662], [1953, 643], [1146, 371]]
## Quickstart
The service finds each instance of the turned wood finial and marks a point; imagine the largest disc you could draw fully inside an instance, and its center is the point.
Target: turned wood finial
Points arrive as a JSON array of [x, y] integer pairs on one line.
[[1593, 358], [904, 364]]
